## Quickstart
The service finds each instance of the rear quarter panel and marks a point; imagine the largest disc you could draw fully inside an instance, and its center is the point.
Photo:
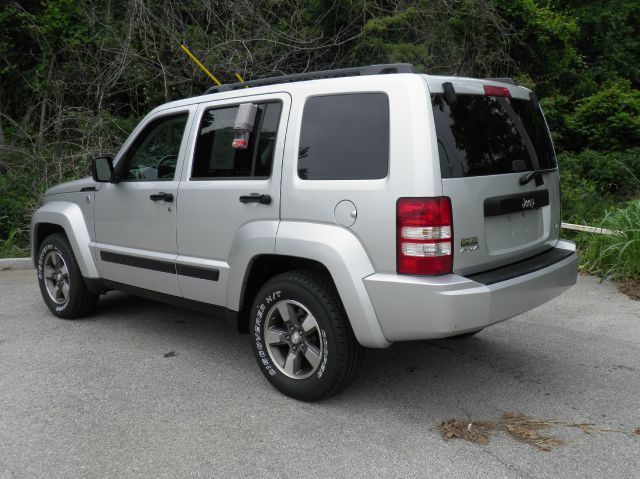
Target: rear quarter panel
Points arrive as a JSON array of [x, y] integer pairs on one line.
[[412, 172]]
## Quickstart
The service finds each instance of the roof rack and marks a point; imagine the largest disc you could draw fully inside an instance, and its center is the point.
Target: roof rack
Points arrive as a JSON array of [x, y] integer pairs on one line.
[[341, 72]]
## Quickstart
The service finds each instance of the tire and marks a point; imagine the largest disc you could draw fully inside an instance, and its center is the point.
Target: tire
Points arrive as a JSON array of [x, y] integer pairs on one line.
[[313, 353], [61, 283]]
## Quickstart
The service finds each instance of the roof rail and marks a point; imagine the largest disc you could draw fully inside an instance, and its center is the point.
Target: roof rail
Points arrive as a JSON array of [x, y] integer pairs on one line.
[[341, 72], [508, 80]]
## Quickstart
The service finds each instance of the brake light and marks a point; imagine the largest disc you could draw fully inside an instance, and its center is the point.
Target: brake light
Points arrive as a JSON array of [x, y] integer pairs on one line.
[[490, 90], [424, 231]]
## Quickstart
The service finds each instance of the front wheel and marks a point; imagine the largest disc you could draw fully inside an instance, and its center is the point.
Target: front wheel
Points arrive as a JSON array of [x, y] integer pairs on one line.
[[301, 337], [61, 282]]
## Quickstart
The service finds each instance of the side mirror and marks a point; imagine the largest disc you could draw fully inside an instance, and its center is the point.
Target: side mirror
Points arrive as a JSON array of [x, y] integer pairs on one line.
[[102, 169]]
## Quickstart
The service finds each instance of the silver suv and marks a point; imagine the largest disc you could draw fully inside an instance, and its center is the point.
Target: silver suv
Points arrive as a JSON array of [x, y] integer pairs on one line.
[[321, 212]]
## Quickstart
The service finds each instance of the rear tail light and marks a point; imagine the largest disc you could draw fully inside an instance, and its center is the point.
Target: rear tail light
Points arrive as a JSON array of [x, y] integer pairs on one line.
[[424, 235]]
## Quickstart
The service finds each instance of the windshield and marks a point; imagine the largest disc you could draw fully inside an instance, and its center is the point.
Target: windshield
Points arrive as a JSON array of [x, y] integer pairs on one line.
[[485, 135]]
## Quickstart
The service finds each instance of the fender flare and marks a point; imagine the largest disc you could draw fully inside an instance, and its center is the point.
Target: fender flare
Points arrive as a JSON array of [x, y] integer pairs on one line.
[[342, 253], [252, 239], [70, 218]]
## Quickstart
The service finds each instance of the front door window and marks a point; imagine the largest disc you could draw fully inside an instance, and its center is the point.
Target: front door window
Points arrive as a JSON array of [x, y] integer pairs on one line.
[[154, 154]]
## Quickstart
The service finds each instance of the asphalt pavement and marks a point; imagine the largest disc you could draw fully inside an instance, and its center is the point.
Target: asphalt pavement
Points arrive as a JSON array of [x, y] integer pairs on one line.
[[141, 389]]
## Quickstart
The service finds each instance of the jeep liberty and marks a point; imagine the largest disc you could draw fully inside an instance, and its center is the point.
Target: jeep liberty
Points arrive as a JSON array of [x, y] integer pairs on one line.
[[321, 212]]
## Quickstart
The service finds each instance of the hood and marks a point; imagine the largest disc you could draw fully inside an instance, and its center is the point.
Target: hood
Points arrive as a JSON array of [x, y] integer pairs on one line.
[[71, 186]]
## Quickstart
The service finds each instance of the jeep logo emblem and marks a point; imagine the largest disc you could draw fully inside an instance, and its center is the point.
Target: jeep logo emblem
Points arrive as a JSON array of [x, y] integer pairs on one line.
[[528, 203]]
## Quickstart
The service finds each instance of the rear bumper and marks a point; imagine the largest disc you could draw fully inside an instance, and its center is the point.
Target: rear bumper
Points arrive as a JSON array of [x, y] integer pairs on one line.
[[413, 307]]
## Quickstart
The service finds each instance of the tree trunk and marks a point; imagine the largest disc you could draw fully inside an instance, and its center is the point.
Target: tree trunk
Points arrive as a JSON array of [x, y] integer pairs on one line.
[[2, 139], [43, 105]]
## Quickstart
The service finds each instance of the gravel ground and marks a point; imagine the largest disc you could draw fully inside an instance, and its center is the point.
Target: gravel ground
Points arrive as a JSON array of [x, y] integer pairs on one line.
[[98, 398]]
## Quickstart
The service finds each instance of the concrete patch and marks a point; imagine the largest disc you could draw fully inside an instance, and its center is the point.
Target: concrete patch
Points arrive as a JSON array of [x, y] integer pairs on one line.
[[7, 264]]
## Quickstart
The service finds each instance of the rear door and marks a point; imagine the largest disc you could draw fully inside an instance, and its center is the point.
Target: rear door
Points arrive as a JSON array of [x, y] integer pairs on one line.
[[228, 196], [498, 167]]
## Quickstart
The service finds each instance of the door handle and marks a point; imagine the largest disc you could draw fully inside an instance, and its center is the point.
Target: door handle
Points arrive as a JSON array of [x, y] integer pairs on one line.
[[256, 198], [168, 197]]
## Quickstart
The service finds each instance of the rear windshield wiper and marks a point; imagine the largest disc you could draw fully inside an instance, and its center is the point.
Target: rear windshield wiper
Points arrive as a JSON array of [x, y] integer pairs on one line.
[[527, 177]]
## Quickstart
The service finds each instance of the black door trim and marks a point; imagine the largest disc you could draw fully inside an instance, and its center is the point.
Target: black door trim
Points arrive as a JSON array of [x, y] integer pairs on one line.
[[159, 265], [137, 262], [198, 272]]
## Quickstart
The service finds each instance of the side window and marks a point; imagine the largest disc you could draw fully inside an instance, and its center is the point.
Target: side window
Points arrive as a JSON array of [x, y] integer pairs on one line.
[[345, 137], [214, 156], [154, 154]]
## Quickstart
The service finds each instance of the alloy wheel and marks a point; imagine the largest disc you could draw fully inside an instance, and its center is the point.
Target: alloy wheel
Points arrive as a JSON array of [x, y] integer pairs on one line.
[[293, 339], [56, 277]]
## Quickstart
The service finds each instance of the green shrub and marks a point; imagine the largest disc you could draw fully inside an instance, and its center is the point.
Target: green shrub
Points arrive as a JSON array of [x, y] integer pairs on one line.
[[557, 110], [12, 246], [581, 201], [616, 173], [16, 203], [609, 120], [616, 256]]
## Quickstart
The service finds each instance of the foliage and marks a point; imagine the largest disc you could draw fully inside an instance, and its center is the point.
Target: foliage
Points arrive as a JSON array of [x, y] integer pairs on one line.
[[77, 75], [556, 110], [581, 202], [593, 182], [609, 119], [11, 247], [616, 256], [545, 41], [609, 41], [610, 173]]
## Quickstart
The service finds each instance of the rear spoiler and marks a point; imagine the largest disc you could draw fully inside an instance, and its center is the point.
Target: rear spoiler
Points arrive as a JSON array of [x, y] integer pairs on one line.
[[510, 81]]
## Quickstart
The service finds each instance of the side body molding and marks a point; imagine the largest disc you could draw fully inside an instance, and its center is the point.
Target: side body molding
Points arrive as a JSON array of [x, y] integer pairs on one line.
[[69, 216], [347, 261]]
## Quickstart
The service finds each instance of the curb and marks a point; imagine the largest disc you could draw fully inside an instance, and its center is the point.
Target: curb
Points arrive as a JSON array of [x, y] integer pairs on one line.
[[7, 264]]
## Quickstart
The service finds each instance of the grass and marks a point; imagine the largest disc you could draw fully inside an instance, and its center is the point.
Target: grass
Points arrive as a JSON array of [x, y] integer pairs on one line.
[[11, 246], [617, 256]]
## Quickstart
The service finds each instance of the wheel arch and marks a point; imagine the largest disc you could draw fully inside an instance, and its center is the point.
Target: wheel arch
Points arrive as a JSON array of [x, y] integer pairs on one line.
[[264, 267], [64, 217], [329, 249], [40, 232]]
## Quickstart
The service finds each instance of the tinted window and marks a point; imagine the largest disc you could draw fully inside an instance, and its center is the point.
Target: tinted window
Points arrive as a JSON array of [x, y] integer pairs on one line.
[[345, 137], [483, 135], [154, 154], [214, 156]]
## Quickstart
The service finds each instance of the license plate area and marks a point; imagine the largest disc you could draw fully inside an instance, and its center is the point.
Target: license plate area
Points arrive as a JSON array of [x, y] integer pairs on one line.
[[514, 230]]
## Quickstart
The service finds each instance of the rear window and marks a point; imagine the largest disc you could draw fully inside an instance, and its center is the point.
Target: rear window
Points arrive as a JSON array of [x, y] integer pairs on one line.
[[485, 135], [344, 137]]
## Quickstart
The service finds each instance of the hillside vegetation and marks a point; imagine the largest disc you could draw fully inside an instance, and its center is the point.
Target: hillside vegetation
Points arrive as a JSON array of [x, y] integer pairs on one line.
[[77, 75]]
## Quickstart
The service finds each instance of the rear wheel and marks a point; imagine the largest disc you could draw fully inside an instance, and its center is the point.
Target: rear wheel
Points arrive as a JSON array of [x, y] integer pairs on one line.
[[301, 337], [61, 283]]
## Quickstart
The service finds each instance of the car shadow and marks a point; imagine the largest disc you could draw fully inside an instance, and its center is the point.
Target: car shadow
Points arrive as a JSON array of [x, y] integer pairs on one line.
[[468, 377]]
